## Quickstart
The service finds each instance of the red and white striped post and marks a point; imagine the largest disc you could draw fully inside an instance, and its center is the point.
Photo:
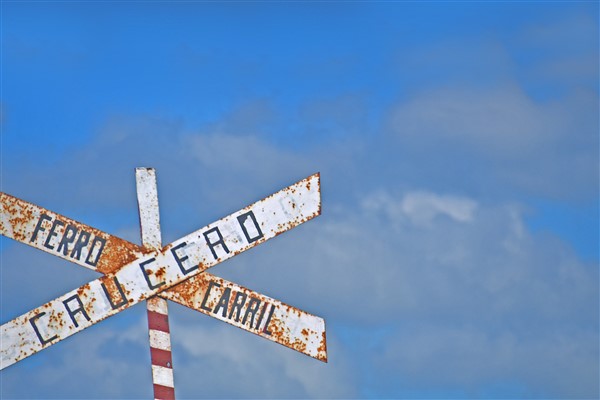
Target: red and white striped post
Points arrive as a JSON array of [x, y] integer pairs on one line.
[[158, 314]]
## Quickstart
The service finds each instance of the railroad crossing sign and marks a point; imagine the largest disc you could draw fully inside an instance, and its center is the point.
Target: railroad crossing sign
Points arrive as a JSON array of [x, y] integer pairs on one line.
[[134, 273]]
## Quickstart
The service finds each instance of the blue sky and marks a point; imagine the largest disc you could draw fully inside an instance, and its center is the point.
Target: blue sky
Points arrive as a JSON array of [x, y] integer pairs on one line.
[[457, 254]]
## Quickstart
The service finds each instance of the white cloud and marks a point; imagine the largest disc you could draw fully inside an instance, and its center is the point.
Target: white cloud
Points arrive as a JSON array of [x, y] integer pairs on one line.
[[465, 304], [449, 269], [241, 365], [421, 207], [498, 121], [466, 356], [501, 139]]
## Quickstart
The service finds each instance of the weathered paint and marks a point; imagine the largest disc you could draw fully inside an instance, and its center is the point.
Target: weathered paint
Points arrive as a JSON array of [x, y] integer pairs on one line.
[[33, 225], [147, 198], [163, 381], [271, 318], [157, 271], [19, 216]]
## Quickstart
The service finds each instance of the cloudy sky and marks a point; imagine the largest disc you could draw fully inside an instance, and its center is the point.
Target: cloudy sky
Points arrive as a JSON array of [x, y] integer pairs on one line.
[[457, 252]]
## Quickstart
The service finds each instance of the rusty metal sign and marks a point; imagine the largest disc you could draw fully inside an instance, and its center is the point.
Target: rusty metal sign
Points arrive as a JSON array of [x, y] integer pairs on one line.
[[133, 274], [19, 219]]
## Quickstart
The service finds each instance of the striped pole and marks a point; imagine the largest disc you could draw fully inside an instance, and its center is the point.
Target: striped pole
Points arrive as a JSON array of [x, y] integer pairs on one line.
[[158, 313]]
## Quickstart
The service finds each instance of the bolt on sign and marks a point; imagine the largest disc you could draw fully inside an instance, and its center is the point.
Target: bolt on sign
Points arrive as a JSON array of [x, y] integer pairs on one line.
[[133, 273]]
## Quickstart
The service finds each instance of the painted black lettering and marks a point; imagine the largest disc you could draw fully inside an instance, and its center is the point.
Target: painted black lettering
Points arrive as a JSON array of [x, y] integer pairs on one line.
[[68, 237], [52, 233], [123, 300], [266, 329], [38, 227], [207, 294], [238, 303], [182, 259], [253, 306], [212, 245], [102, 242], [73, 312], [260, 317], [223, 302], [37, 331], [82, 241], [147, 277], [242, 219]]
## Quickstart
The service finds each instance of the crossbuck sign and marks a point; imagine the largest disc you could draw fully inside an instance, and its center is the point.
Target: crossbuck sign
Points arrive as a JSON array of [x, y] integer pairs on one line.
[[133, 273]]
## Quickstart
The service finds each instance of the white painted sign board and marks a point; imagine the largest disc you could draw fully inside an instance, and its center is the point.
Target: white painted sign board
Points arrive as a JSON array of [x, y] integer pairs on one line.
[[158, 271]]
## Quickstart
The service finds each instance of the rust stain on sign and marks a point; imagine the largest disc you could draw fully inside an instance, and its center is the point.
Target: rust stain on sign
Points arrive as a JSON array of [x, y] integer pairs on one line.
[[64, 237], [256, 313], [133, 274]]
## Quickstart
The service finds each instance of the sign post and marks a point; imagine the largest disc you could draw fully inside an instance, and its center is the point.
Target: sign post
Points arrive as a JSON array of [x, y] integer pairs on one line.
[[157, 307]]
